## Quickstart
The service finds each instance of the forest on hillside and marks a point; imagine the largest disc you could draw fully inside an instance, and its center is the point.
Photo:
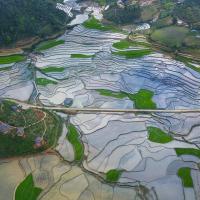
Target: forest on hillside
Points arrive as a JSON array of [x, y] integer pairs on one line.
[[189, 11], [128, 14], [20, 19]]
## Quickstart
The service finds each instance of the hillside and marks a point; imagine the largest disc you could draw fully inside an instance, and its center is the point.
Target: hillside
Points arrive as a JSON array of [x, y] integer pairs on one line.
[[22, 19], [189, 11]]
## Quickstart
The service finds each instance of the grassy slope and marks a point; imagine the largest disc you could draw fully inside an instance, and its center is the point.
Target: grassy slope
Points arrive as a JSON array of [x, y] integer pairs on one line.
[[11, 59], [171, 36], [49, 44], [123, 44], [133, 53], [44, 81], [187, 151], [142, 99], [26, 190], [158, 136], [52, 69], [185, 175], [109, 93], [73, 137], [113, 175], [94, 23], [187, 62]]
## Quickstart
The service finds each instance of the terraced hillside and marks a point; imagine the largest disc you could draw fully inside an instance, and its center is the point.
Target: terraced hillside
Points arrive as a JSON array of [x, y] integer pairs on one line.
[[110, 156]]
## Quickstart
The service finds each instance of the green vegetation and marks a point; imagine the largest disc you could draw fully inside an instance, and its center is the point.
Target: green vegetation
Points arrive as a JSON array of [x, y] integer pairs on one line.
[[162, 22], [185, 175], [25, 19], [171, 36], [192, 41], [149, 12], [73, 137], [44, 81], [188, 62], [13, 145], [125, 44], [49, 44], [119, 95], [27, 190], [113, 175], [11, 59], [81, 56], [93, 23], [158, 136], [32, 123], [178, 38], [167, 8], [5, 68], [188, 151], [52, 69], [189, 11], [142, 99], [101, 2], [133, 53], [129, 14], [105, 2]]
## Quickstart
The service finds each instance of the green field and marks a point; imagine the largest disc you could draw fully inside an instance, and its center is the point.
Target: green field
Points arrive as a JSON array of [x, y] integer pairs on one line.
[[44, 81], [5, 68], [187, 62], [109, 93], [149, 12], [74, 138], [185, 175], [52, 69], [163, 22], [12, 145], [142, 99], [171, 36], [158, 136], [192, 41], [12, 59], [26, 190], [49, 44], [113, 175], [101, 2], [125, 44], [81, 56], [188, 151], [133, 53], [94, 23], [34, 125]]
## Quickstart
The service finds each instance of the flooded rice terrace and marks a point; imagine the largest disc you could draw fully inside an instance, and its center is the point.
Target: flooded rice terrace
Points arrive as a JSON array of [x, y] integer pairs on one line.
[[150, 154]]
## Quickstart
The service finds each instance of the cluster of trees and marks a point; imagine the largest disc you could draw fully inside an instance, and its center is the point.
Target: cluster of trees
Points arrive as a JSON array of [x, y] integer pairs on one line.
[[189, 11], [118, 15], [26, 18]]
